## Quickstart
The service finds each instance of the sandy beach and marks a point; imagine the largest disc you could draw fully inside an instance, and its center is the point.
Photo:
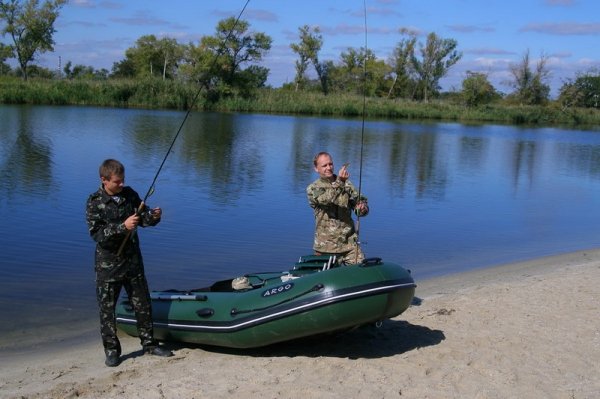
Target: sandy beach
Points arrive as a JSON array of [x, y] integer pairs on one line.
[[524, 330]]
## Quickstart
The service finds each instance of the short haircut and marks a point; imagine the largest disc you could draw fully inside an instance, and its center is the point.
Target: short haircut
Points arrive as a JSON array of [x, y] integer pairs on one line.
[[319, 155], [111, 167]]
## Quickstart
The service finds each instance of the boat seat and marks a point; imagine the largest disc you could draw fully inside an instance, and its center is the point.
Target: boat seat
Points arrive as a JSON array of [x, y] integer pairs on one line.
[[316, 262]]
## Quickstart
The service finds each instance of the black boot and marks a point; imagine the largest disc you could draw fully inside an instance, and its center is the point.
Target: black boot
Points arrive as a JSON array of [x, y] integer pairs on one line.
[[157, 351], [112, 359]]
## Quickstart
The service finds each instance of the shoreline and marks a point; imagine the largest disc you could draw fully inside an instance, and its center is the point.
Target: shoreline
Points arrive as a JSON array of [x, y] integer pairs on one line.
[[525, 329], [87, 330]]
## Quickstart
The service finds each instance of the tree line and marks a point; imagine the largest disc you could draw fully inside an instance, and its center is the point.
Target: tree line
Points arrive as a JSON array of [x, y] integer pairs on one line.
[[228, 63]]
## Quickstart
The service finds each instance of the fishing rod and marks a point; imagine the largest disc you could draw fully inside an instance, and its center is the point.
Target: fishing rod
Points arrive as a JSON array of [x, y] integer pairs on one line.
[[187, 114], [362, 130]]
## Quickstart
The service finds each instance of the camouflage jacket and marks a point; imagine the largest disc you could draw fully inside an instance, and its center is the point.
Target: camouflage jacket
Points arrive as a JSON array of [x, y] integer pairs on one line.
[[333, 203], [105, 215]]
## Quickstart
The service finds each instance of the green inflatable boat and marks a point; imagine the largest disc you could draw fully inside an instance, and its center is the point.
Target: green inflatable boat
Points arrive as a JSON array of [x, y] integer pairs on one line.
[[316, 296]]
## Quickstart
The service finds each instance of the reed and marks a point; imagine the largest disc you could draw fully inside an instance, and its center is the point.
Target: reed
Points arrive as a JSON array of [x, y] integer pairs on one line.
[[155, 93], [150, 93]]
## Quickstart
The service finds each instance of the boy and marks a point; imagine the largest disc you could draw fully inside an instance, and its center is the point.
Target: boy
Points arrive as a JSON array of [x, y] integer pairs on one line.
[[112, 217]]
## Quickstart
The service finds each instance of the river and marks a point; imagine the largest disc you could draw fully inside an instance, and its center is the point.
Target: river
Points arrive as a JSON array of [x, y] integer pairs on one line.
[[444, 197]]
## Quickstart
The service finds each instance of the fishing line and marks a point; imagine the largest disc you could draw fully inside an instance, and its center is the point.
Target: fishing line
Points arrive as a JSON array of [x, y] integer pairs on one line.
[[362, 130], [194, 99], [364, 106], [187, 114]]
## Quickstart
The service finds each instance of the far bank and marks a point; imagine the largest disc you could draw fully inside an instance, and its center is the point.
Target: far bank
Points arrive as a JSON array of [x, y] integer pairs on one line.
[[159, 94]]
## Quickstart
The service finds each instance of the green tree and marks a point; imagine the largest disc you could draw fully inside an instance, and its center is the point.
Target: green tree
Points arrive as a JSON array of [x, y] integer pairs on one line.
[[403, 72], [307, 50], [311, 42], [83, 72], [101, 73], [5, 53], [80, 71], [31, 27], [584, 91], [196, 63], [379, 78], [359, 71], [36, 71], [153, 57], [171, 54], [144, 56], [251, 78], [437, 56], [123, 69], [230, 54], [352, 69], [67, 70], [477, 89], [323, 69], [530, 86]]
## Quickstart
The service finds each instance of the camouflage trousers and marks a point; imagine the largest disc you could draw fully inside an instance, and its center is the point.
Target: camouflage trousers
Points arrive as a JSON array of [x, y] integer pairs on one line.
[[355, 255], [139, 296]]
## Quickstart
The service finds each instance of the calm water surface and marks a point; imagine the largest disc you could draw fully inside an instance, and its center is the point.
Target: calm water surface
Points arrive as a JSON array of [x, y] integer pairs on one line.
[[444, 197]]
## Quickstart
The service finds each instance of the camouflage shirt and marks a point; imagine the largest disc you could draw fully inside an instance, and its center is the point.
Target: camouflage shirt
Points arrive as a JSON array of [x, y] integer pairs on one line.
[[333, 203], [105, 215]]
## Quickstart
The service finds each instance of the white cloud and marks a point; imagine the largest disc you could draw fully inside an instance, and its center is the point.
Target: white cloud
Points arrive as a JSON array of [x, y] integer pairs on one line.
[[563, 28]]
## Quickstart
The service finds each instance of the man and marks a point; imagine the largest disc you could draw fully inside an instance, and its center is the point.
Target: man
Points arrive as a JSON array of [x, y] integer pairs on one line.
[[113, 214], [333, 198]]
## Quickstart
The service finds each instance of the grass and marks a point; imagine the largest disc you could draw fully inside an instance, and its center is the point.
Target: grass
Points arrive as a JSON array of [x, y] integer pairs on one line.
[[158, 94]]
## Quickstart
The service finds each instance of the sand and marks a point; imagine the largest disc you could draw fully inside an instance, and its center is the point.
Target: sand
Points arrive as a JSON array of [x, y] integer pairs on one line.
[[525, 330]]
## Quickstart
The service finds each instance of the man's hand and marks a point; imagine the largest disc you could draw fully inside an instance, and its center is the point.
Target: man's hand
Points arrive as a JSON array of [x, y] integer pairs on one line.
[[156, 213], [343, 174], [131, 222], [362, 208]]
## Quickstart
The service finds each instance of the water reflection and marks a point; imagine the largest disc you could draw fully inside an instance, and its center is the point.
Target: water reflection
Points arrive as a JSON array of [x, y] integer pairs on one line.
[[472, 151], [224, 155], [26, 165], [302, 151], [417, 164], [579, 159], [524, 158], [149, 134]]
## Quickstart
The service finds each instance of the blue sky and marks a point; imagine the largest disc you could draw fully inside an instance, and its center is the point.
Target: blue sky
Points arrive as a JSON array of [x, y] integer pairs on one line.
[[491, 34]]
